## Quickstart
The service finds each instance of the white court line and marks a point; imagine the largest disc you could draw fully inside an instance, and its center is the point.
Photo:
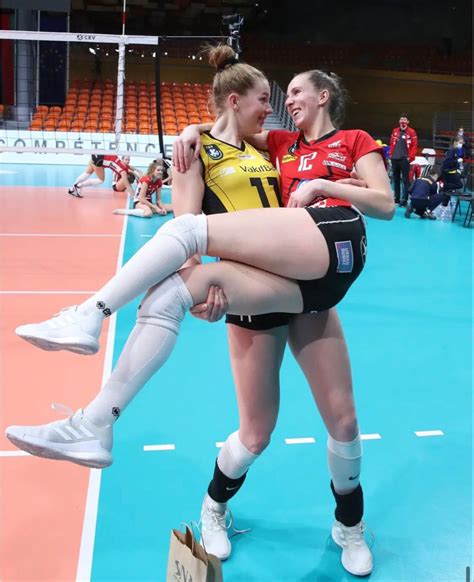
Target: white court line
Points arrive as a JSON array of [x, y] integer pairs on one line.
[[428, 433], [59, 235], [47, 292], [14, 454], [86, 550], [300, 441], [370, 437], [159, 447]]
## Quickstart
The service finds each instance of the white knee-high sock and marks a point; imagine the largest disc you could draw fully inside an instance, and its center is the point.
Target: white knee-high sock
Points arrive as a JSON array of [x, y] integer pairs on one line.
[[91, 182], [130, 212], [344, 460], [234, 458], [148, 347], [81, 178], [164, 254]]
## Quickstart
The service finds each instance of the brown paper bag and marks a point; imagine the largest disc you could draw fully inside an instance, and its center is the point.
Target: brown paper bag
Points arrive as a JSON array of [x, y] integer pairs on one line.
[[189, 562]]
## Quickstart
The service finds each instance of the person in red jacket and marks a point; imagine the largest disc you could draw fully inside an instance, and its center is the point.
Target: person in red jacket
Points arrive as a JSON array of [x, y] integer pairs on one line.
[[403, 144]]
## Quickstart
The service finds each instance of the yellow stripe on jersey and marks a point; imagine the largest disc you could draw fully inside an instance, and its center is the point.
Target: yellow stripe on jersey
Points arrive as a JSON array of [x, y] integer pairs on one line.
[[236, 179]]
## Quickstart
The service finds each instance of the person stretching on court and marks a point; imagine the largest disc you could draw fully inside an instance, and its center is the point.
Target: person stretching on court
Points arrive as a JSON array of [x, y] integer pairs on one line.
[[149, 187], [97, 165], [118, 185], [318, 252]]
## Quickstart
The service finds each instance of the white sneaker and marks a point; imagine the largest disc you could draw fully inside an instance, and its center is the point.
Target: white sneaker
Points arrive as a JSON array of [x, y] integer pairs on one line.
[[214, 528], [74, 439], [356, 556], [69, 330]]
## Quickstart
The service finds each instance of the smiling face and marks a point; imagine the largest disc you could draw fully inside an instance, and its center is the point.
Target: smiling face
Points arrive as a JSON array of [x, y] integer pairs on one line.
[[304, 101], [157, 173], [252, 107]]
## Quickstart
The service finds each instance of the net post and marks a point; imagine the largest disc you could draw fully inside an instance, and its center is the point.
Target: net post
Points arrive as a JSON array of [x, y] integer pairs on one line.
[[120, 89], [158, 97]]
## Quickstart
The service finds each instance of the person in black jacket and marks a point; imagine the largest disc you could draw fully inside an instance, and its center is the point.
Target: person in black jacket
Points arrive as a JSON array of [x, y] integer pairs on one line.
[[452, 168], [425, 196]]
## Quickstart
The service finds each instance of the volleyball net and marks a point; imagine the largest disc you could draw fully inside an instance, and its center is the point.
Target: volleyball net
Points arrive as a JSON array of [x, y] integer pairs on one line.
[[79, 94]]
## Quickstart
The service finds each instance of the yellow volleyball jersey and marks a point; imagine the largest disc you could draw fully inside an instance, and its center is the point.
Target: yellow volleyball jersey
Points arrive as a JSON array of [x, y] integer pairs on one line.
[[236, 178]]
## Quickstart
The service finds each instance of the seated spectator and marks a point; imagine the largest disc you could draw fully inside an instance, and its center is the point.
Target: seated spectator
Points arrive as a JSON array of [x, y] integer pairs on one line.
[[464, 145], [452, 168], [425, 196]]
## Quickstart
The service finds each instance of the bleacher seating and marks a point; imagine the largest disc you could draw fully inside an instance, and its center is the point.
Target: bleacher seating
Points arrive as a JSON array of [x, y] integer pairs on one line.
[[91, 107]]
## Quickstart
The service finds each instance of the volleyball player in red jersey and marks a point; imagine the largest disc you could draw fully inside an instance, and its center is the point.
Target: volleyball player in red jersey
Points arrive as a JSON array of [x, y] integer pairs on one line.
[[97, 165], [306, 269], [133, 174], [149, 186], [310, 162]]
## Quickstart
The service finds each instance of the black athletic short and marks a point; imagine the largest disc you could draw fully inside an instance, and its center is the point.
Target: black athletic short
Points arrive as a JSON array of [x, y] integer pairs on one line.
[[260, 322], [98, 161], [344, 231]]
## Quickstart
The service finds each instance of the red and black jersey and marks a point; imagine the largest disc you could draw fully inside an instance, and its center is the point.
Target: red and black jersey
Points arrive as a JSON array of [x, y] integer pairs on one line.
[[116, 164], [332, 157], [151, 188]]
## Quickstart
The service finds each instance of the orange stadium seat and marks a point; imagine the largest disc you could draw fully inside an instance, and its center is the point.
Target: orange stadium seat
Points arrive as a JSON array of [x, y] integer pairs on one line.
[[63, 125], [36, 124], [49, 125]]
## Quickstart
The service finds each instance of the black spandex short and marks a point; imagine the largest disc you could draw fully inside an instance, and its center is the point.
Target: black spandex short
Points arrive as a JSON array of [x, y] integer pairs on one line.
[[260, 322], [344, 231], [98, 161]]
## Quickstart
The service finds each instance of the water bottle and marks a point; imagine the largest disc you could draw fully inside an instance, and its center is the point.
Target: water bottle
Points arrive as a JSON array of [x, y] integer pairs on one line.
[[446, 212]]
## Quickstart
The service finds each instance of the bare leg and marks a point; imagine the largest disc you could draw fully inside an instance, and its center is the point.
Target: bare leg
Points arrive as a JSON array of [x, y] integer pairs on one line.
[[279, 240], [120, 185], [284, 241], [318, 344], [256, 358], [126, 184], [248, 290]]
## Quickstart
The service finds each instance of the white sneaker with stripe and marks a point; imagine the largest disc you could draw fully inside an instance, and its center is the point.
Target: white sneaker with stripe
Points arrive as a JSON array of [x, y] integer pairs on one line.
[[214, 528], [70, 330], [356, 556], [74, 439]]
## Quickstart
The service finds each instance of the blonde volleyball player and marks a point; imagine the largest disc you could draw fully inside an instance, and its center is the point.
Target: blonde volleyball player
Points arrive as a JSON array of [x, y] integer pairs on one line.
[[297, 260], [147, 199]]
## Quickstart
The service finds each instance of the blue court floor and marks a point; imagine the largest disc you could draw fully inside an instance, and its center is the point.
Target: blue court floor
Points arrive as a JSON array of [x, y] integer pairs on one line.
[[408, 324]]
